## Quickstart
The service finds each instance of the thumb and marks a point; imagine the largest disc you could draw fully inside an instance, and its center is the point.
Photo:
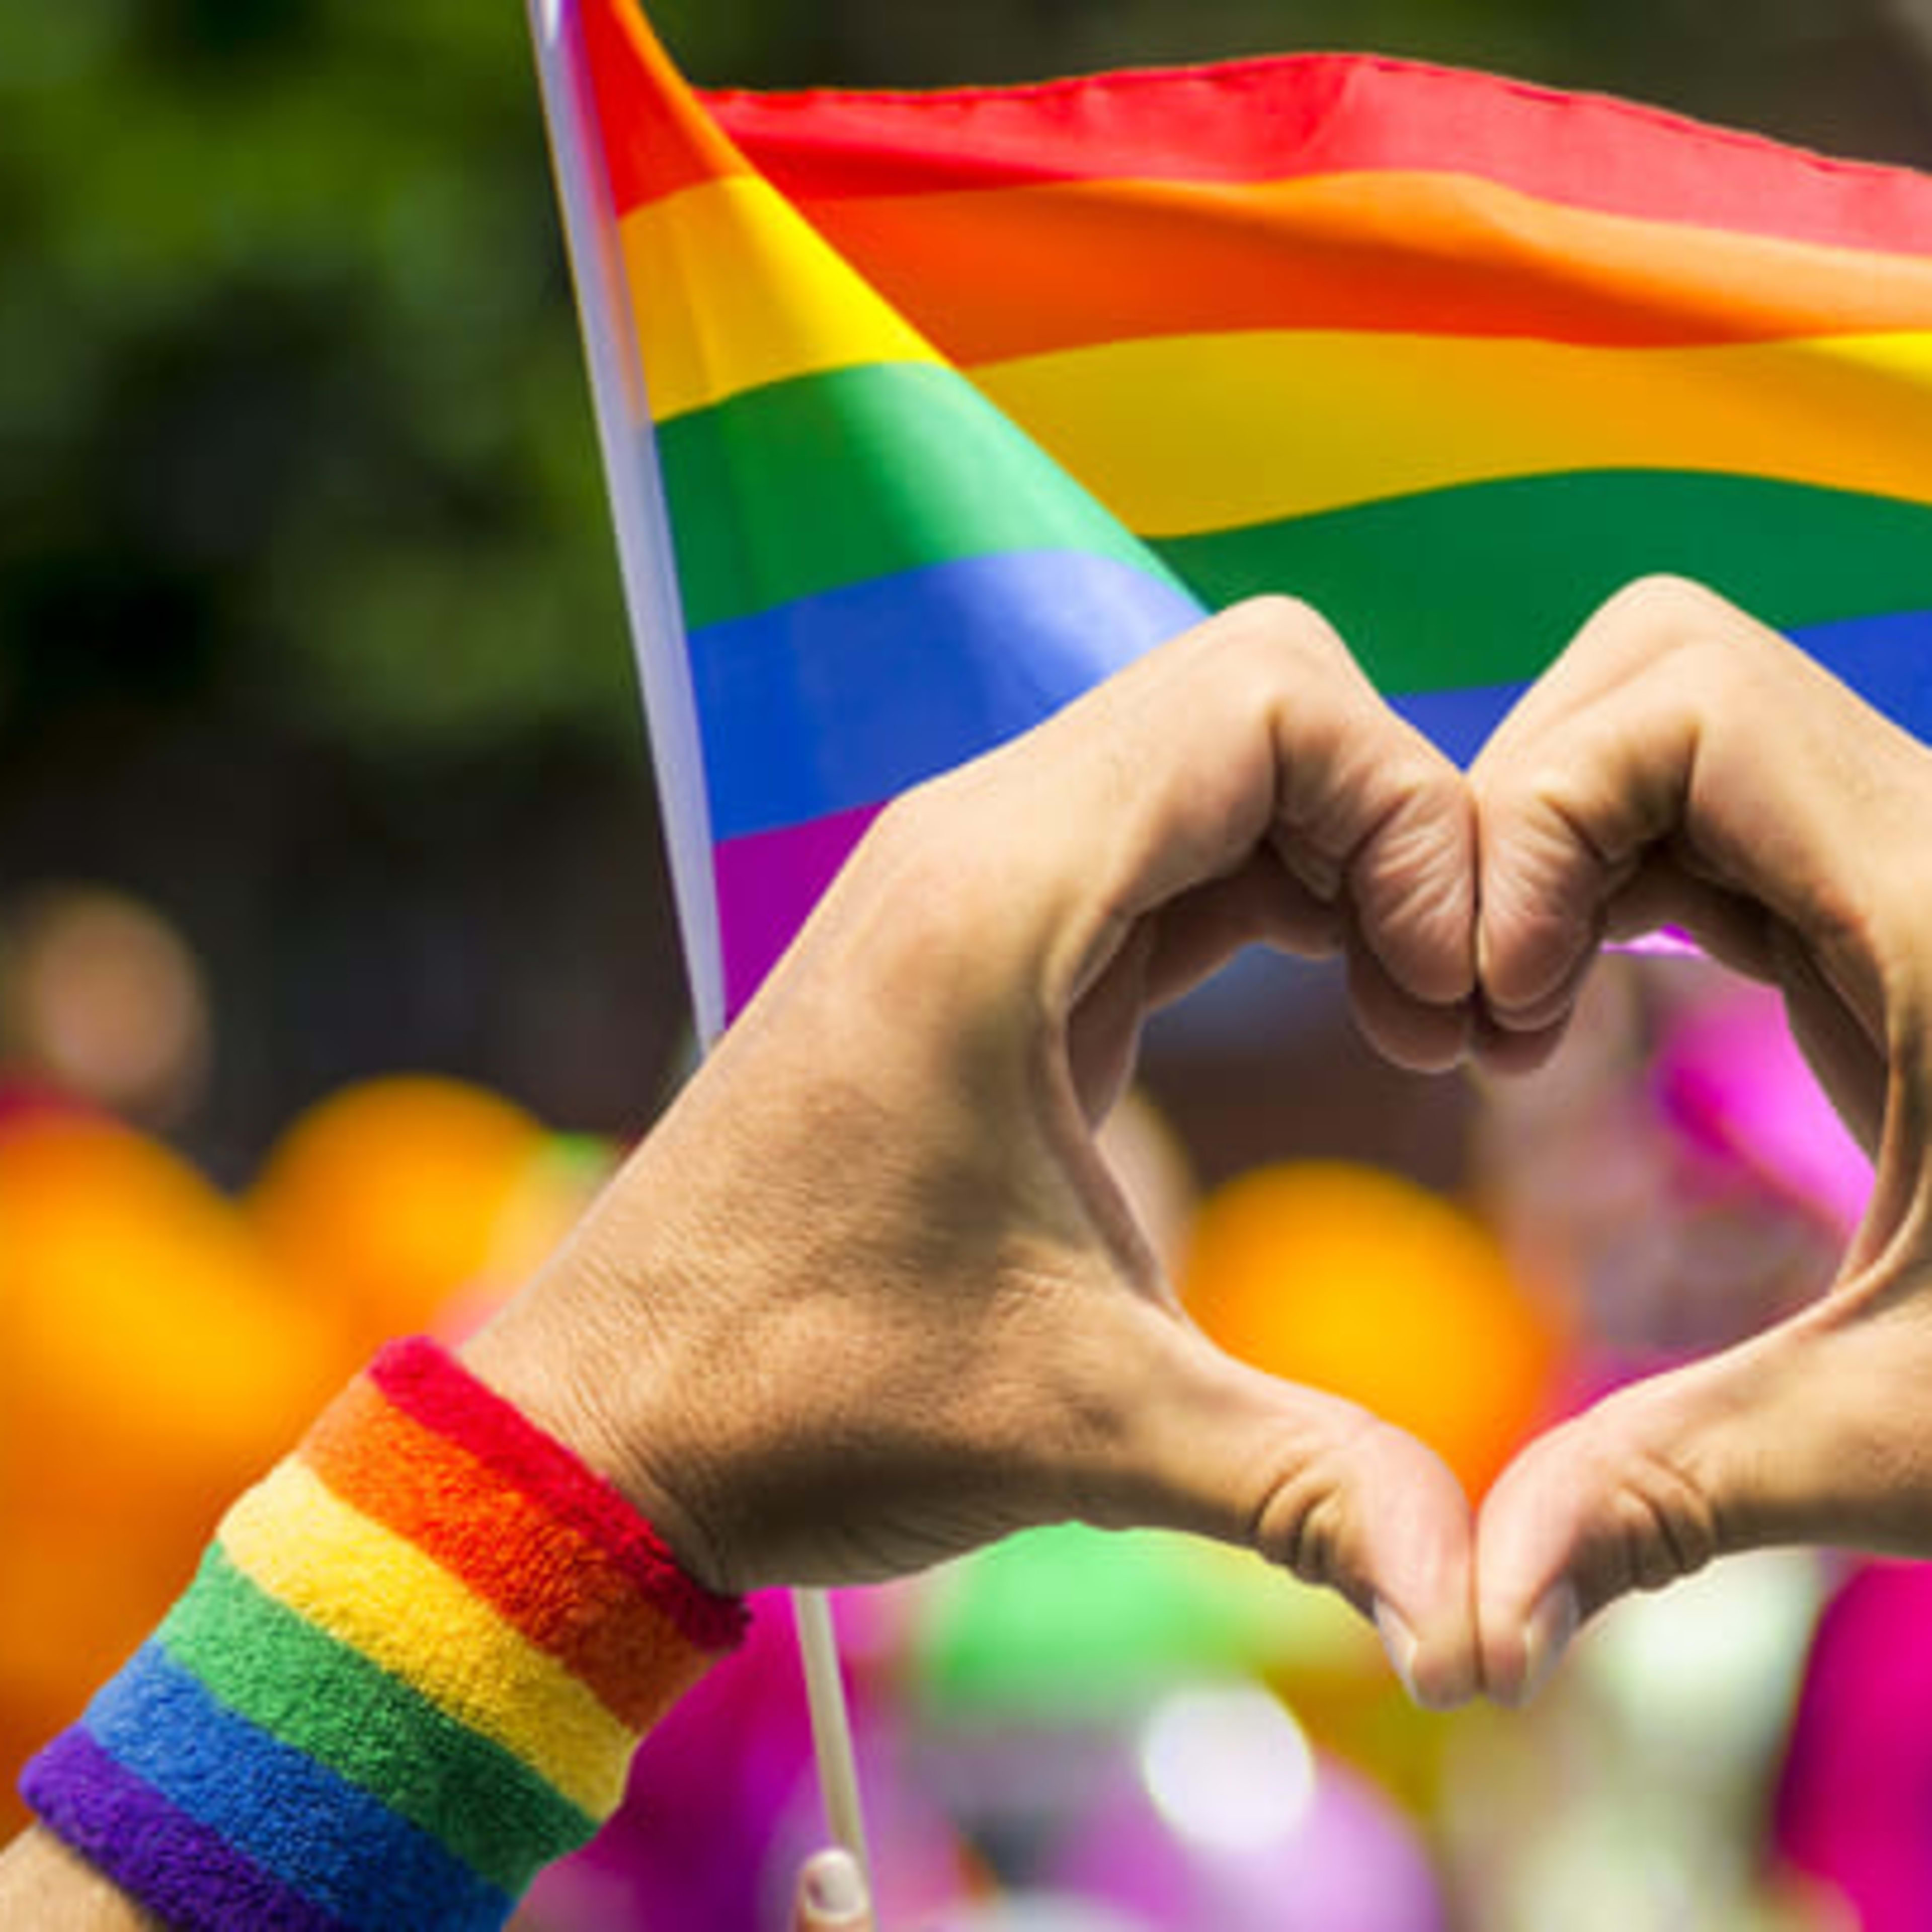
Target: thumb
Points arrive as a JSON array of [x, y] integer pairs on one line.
[[1325, 1488], [1798, 1436], [831, 1895]]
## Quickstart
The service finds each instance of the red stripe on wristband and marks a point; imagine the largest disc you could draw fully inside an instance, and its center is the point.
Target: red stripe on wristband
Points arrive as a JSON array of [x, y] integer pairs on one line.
[[427, 1383]]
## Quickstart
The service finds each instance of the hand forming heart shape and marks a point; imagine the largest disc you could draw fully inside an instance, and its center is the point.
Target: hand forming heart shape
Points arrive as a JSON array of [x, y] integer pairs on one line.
[[876, 1299], [1682, 765]]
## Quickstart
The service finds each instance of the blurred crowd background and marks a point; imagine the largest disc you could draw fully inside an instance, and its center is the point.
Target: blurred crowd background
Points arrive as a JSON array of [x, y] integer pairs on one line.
[[337, 966]]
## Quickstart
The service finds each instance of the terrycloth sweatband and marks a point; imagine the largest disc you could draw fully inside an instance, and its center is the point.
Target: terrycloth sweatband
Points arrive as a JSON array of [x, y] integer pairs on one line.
[[411, 1670]]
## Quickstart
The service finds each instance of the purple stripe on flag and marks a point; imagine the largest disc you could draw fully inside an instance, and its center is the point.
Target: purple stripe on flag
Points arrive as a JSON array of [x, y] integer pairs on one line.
[[768, 882], [181, 1870]]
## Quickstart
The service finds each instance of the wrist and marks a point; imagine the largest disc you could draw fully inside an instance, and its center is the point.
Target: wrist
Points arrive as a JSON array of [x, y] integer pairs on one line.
[[412, 1670], [580, 1354]]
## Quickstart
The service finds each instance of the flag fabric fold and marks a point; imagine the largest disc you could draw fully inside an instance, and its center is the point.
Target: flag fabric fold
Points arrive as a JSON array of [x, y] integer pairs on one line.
[[963, 399]]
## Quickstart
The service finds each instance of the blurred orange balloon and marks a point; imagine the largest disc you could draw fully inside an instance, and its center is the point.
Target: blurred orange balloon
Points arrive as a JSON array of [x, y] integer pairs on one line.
[[150, 1365], [160, 1346], [1362, 1283], [390, 1199]]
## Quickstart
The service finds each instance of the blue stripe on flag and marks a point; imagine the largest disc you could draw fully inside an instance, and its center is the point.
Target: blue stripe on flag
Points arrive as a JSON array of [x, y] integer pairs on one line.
[[847, 698], [1887, 660]]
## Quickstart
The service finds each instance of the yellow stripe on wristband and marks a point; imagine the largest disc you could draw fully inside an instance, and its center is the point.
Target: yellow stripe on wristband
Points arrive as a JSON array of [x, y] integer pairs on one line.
[[297, 1541]]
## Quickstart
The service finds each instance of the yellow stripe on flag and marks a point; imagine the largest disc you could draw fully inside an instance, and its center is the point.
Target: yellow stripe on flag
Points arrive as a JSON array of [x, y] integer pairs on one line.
[[733, 289], [1188, 434]]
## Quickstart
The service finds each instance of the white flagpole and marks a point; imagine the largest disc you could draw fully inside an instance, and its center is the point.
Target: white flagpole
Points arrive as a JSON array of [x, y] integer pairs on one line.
[[648, 564], [645, 556]]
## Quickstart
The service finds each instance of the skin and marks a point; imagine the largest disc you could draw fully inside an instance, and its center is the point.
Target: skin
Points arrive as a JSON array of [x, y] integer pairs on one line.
[[877, 1296], [878, 1299], [1683, 765], [44, 1885]]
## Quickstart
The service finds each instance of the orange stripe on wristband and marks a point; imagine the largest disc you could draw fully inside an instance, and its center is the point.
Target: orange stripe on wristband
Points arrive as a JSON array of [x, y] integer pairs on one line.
[[419, 1381], [560, 1589]]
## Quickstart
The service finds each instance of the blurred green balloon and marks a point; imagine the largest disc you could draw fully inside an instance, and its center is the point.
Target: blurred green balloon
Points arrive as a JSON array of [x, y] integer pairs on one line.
[[1077, 1622]]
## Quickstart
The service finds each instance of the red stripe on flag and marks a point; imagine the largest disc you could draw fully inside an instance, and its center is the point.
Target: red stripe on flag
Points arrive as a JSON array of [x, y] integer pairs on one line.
[[656, 138], [1322, 114]]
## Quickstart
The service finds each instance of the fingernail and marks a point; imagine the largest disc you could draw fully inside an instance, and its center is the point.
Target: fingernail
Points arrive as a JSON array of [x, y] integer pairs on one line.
[[1545, 1635], [834, 1887], [1399, 1640]]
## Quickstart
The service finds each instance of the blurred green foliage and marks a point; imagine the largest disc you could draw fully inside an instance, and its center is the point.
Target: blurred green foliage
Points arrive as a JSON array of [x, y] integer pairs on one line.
[[291, 396], [296, 418], [309, 620]]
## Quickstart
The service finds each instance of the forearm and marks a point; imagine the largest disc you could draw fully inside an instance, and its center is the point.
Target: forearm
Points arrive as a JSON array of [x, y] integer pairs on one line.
[[410, 1672], [47, 1888]]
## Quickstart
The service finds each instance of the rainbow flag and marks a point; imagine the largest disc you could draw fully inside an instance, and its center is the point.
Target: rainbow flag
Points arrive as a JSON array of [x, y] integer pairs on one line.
[[961, 400]]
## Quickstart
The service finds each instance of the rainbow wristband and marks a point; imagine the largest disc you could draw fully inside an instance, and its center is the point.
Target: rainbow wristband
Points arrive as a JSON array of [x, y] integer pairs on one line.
[[411, 1670]]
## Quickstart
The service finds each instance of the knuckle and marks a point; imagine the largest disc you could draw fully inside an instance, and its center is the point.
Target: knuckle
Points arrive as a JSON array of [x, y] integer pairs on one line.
[[1661, 598], [1273, 638], [1305, 1531], [1276, 614], [898, 831], [1658, 1522], [1661, 613], [1667, 1529], [1432, 832], [1301, 1520], [1648, 620], [898, 857], [906, 883], [1714, 645]]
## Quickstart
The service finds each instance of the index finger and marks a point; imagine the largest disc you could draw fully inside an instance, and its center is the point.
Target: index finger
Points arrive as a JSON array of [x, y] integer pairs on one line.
[[1674, 722], [1254, 732]]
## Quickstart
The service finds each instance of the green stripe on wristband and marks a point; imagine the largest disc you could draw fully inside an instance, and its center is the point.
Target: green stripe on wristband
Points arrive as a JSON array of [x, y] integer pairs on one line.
[[268, 1663]]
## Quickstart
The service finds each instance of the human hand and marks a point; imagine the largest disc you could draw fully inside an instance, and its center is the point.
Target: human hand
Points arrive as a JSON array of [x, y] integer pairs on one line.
[[1683, 765], [868, 1296]]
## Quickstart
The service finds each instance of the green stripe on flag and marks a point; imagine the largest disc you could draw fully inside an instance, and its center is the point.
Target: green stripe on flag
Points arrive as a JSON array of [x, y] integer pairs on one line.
[[828, 480], [1485, 583]]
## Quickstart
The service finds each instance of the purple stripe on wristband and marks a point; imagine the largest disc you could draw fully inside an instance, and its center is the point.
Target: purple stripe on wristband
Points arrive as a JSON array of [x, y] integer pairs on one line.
[[182, 1871]]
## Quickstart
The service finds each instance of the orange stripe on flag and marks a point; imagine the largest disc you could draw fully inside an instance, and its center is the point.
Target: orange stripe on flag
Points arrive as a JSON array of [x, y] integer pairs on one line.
[[1441, 254]]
